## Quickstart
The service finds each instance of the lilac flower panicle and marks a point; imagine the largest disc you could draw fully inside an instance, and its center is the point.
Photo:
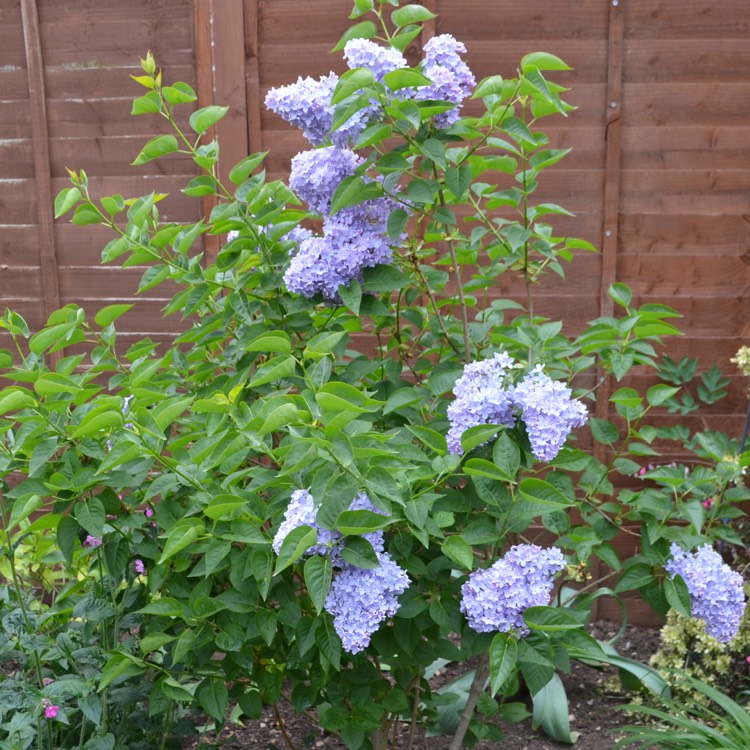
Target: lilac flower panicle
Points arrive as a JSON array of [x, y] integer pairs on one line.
[[363, 53], [548, 412], [452, 80], [360, 599], [717, 593], [316, 174], [482, 397], [494, 599], [353, 239], [307, 105]]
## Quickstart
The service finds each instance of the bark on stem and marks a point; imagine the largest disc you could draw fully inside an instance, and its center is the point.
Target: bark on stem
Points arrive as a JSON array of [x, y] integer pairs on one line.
[[477, 686]]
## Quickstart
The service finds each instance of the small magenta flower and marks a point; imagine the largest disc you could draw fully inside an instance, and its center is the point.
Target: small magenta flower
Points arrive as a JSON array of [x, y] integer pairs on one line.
[[92, 541], [148, 512], [747, 659], [707, 503], [139, 567], [50, 710]]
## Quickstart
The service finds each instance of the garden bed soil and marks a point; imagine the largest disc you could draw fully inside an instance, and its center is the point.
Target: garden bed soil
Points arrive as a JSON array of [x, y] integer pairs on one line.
[[593, 696]]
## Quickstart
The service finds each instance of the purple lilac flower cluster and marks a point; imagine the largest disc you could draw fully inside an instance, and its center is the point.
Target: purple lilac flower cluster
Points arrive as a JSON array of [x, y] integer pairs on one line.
[[494, 599], [484, 395], [452, 80], [717, 593], [362, 53], [306, 104], [548, 412], [359, 599], [316, 174]]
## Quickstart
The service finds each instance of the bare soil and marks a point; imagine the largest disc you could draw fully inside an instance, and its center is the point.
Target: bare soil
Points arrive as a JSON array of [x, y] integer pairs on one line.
[[593, 696]]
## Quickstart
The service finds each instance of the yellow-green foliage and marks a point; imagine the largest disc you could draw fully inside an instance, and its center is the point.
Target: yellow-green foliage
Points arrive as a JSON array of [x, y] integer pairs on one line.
[[688, 649]]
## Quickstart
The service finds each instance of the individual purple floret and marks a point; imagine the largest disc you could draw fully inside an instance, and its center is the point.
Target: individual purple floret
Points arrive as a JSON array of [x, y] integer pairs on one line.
[[360, 599], [451, 77], [717, 594], [362, 53], [302, 511], [483, 396], [307, 105], [353, 239], [548, 411], [317, 173], [494, 599]]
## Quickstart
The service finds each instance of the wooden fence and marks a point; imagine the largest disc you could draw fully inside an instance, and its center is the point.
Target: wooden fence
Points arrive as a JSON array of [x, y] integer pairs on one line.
[[659, 175]]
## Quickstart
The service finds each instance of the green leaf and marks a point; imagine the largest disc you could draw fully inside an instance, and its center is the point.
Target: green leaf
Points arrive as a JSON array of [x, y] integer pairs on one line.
[[277, 368], [179, 93], [91, 515], [503, 654], [384, 278], [119, 666], [323, 343], [167, 606], [67, 534], [459, 550], [342, 397], [223, 506], [405, 78], [358, 551], [354, 190], [544, 494], [184, 533], [479, 467], [506, 456], [458, 179], [349, 83], [213, 697], [677, 594], [246, 167], [23, 507], [147, 104], [543, 61], [156, 147], [363, 30], [108, 314], [492, 85], [478, 435], [550, 619], [65, 200], [635, 577], [603, 431], [621, 294], [658, 394], [279, 416], [202, 119], [295, 543], [351, 295], [275, 342], [318, 574], [411, 14], [551, 712], [16, 398], [361, 522]]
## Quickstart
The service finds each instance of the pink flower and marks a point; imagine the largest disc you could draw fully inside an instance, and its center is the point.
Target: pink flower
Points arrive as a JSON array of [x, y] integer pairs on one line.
[[47, 681], [50, 711], [708, 503], [747, 659], [148, 512], [93, 541], [139, 567]]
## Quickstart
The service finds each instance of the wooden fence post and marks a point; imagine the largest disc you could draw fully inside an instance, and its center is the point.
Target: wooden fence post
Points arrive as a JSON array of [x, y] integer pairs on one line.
[[42, 168]]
